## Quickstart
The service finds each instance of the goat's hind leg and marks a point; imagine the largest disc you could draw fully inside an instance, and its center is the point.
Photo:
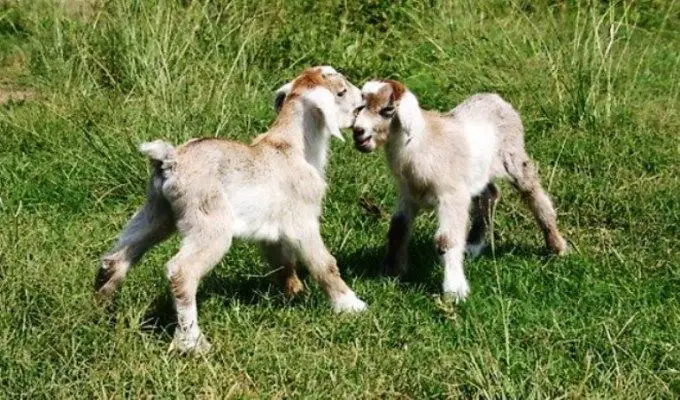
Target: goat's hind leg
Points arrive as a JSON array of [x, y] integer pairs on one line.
[[482, 213], [206, 237], [525, 178], [151, 224], [323, 268], [282, 258]]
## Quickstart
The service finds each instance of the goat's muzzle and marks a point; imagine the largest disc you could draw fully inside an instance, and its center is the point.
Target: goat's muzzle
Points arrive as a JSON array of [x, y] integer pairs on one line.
[[362, 142]]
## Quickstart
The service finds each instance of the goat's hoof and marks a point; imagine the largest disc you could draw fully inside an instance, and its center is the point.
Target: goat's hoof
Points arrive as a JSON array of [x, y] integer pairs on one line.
[[349, 303], [473, 250], [292, 287], [558, 245], [196, 345], [456, 291]]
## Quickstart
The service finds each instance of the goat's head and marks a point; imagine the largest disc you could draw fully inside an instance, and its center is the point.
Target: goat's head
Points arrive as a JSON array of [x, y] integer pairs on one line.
[[328, 92], [383, 102]]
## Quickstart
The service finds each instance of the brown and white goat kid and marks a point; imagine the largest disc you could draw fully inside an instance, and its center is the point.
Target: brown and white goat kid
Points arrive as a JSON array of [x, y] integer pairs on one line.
[[212, 190], [448, 162]]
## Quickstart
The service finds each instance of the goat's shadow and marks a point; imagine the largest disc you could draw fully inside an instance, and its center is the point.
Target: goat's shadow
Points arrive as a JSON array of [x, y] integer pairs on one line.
[[365, 263], [423, 261], [161, 318]]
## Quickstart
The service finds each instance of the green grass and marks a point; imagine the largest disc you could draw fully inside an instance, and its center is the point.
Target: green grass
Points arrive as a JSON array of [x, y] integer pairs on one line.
[[597, 84]]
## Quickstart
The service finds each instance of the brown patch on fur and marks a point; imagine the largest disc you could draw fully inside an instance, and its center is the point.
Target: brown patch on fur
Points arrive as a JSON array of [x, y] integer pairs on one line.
[[277, 143], [292, 286], [376, 101], [331, 282], [398, 89], [388, 94], [310, 78], [555, 242], [442, 243], [178, 285]]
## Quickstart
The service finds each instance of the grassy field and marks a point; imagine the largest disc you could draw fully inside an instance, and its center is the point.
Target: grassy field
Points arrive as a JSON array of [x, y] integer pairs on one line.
[[82, 83]]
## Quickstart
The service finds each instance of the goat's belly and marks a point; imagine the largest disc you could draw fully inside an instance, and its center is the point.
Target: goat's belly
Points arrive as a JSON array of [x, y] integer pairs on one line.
[[253, 227], [255, 218]]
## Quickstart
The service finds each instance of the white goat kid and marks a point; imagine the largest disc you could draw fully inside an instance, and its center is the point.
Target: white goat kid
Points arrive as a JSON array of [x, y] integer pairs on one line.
[[212, 190], [448, 162]]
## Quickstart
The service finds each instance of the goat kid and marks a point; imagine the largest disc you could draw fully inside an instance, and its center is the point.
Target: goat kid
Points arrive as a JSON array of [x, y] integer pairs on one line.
[[212, 190], [448, 162]]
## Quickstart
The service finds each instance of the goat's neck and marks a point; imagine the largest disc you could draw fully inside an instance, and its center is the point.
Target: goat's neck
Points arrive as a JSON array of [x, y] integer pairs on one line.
[[304, 131], [404, 133]]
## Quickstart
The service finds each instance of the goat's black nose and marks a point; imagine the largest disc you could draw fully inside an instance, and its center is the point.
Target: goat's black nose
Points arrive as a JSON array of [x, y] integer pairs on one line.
[[358, 132]]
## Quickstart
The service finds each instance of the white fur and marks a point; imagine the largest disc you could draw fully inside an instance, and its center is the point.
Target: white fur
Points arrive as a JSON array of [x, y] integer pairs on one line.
[[372, 87], [348, 302], [482, 143], [251, 213], [327, 70], [157, 150], [410, 117], [455, 284], [324, 101]]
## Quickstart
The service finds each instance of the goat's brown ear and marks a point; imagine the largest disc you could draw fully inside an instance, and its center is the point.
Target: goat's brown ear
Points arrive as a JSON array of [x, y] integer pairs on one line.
[[280, 96], [398, 90]]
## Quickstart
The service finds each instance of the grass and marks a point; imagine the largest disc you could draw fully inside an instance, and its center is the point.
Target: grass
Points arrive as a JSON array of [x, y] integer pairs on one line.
[[597, 84]]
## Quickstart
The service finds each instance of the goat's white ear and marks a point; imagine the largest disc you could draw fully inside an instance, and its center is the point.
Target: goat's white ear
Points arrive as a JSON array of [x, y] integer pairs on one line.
[[280, 95], [408, 112], [324, 102]]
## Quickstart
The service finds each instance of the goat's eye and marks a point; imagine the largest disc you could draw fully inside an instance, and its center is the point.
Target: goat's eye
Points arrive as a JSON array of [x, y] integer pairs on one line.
[[387, 112], [358, 109], [342, 93]]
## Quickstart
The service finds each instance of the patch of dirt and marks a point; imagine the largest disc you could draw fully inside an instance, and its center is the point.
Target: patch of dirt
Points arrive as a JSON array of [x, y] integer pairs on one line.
[[13, 94], [79, 8]]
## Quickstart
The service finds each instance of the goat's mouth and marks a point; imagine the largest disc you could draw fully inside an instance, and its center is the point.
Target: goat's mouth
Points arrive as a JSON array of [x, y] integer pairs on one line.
[[364, 145]]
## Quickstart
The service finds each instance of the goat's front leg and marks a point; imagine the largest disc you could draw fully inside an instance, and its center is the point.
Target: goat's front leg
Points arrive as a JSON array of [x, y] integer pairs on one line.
[[450, 243], [323, 268], [396, 260]]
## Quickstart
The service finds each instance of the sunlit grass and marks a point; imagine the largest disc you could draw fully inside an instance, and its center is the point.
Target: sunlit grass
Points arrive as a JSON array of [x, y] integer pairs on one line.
[[597, 85]]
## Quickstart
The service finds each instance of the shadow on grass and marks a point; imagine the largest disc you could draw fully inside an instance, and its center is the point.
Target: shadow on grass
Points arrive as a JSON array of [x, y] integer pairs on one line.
[[424, 273], [367, 263], [424, 264], [160, 317]]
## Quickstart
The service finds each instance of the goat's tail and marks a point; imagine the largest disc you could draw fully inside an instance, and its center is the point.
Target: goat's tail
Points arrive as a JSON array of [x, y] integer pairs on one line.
[[158, 151], [161, 156]]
